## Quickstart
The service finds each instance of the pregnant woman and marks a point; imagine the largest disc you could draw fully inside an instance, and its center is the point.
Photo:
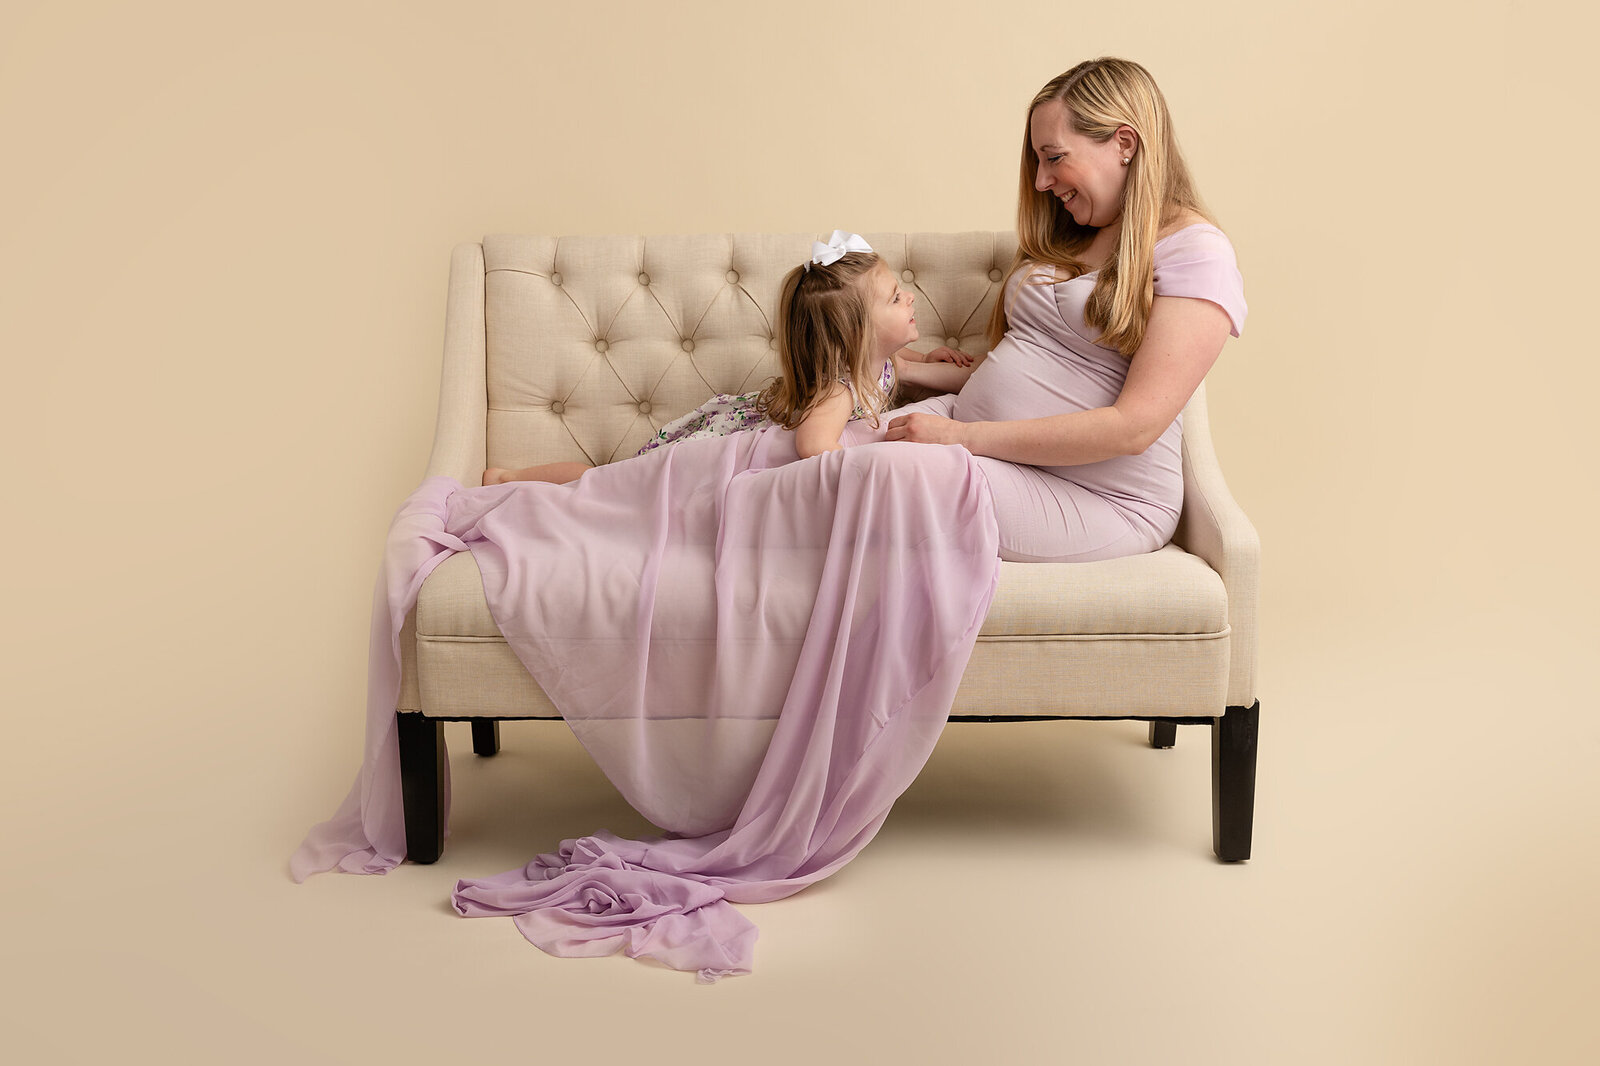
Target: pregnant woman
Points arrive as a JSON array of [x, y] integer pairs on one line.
[[1119, 300]]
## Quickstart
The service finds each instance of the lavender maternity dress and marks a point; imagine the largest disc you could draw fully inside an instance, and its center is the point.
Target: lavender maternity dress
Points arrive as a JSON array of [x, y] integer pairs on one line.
[[1048, 364]]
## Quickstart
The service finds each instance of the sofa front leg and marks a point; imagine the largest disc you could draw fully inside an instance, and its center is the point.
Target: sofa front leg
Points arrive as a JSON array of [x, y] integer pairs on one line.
[[1233, 781], [1163, 732], [422, 770]]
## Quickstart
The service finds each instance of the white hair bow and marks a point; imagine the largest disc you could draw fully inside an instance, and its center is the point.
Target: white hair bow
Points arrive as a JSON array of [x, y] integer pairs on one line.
[[840, 243]]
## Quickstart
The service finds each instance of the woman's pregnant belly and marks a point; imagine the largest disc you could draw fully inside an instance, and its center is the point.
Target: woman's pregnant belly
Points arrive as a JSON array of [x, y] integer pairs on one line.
[[1024, 380]]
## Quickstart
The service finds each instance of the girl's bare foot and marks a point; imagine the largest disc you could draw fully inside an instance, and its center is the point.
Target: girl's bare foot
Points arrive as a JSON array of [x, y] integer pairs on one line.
[[496, 476]]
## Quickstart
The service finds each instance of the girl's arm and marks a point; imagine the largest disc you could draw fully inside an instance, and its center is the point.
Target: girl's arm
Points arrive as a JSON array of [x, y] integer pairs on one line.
[[940, 354], [819, 431], [940, 377], [1181, 342]]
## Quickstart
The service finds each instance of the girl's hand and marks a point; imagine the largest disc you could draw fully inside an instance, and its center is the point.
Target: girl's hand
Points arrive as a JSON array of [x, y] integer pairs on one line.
[[943, 354], [927, 429]]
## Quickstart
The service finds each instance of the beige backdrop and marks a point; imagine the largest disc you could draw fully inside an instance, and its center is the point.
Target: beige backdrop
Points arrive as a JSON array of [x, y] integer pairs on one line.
[[223, 248]]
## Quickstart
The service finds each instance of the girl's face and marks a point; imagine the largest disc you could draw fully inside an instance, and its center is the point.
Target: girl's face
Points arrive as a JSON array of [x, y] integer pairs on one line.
[[1086, 175], [894, 322]]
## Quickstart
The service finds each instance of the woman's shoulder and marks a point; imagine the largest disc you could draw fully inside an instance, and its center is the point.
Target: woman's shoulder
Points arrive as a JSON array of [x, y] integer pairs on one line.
[[1193, 230], [1185, 218], [1197, 261], [1194, 240]]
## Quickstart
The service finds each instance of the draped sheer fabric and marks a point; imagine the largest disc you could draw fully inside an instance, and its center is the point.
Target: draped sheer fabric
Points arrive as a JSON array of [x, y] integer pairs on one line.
[[679, 608]]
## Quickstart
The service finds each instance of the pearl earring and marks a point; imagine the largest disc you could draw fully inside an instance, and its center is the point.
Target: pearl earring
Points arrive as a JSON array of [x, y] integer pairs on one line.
[[1127, 159]]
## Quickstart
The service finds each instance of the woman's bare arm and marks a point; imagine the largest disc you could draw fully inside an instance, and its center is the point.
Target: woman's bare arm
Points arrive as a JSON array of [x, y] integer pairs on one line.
[[1181, 342]]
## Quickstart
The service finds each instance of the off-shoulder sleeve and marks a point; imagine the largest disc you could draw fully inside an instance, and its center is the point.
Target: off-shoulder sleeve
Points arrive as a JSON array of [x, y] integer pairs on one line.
[[1198, 262]]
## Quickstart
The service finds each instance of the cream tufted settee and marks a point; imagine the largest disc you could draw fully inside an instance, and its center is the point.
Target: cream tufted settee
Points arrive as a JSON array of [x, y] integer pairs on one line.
[[579, 348]]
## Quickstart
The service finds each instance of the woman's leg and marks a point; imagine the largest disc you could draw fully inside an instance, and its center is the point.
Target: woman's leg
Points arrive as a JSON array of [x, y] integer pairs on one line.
[[1047, 519], [559, 473], [1043, 518]]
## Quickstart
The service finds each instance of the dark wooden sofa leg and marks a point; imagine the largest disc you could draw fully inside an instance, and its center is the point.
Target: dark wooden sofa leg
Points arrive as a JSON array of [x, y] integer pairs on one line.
[[485, 736], [1233, 781], [422, 770], [1163, 733]]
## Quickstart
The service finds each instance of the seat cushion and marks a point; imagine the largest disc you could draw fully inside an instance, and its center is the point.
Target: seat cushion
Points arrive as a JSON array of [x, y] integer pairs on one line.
[[1165, 592], [1144, 635]]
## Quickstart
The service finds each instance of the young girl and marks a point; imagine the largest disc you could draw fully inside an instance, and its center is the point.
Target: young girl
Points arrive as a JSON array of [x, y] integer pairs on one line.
[[843, 321]]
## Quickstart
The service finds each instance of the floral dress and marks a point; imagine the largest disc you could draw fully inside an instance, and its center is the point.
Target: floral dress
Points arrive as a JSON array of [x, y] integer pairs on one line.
[[724, 414]]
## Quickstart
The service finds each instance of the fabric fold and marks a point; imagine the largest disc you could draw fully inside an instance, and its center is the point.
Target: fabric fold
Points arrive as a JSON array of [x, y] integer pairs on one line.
[[679, 609], [367, 833]]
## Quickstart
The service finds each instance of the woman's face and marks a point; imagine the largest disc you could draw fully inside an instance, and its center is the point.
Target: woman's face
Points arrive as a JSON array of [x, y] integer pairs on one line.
[[1087, 176]]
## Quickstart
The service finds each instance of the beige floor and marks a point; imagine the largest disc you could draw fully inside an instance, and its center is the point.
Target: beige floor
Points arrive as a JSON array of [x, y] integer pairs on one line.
[[1421, 893]]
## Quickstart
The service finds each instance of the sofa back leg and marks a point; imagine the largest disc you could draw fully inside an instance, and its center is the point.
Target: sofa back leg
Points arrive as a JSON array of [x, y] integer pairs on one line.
[[1233, 781], [485, 736], [422, 770]]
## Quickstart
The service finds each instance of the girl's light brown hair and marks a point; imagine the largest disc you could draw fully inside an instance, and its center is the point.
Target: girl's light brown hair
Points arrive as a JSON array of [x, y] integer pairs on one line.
[[1102, 95], [824, 336]]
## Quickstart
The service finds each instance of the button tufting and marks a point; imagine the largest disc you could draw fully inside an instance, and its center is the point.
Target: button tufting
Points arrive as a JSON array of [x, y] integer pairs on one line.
[[602, 345], [555, 278], [772, 342], [644, 407], [907, 277], [688, 345], [994, 275], [644, 279], [952, 342], [733, 277], [557, 407]]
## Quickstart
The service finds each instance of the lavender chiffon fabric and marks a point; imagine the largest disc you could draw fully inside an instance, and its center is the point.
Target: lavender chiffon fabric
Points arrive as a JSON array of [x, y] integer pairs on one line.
[[717, 584]]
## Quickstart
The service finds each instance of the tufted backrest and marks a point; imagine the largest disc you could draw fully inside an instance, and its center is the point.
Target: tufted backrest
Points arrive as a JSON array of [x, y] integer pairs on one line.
[[592, 343]]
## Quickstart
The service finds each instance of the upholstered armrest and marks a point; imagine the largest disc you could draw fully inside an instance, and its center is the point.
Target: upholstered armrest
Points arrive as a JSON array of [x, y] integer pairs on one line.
[[459, 440], [1214, 527]]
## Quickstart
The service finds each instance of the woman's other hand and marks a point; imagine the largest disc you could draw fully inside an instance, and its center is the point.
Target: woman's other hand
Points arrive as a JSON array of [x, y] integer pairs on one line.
[[922, 428]]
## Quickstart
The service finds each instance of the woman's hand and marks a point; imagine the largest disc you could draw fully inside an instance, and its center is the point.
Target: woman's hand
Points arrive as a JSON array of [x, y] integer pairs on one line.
[[923, 428]]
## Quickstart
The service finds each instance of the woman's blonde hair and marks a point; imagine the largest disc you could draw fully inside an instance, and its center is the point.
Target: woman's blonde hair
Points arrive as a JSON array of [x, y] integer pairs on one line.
[[1101, 96], [824, 336]]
